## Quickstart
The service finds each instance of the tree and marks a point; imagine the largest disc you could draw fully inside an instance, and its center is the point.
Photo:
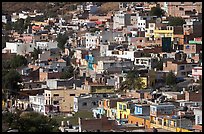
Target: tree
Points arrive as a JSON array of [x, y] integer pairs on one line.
[[62, 40], [68, 73], [171, 79], [35, 53], [10, 81], [8, 26], [19, 26], [132, 82], [30, 122], [152, 78], [18, 61], [157, 11], [176, 21], [159, 65]]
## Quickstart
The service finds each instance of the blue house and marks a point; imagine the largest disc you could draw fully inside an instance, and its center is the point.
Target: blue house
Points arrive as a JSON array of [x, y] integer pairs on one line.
[[98, 112], [142, 109]]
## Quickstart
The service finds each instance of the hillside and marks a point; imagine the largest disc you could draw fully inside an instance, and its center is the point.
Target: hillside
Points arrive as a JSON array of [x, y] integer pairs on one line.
[[10, 7]]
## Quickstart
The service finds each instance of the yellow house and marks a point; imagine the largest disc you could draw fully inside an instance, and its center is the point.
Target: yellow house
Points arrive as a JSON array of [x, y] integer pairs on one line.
[[39, 23], [124, 109], [169, 32], [157, 33], [144, 80], [169, 124]]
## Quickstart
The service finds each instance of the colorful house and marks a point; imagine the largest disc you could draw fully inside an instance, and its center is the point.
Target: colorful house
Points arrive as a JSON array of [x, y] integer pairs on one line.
[[98, 112], [164, 33], [124, 109], [110, 106], [142, 109], [140, 120]]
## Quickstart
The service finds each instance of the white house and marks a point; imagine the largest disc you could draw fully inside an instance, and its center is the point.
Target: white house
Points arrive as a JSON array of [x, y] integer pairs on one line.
[[198, 116], [105, 64], [4, 19], [121, 19], [19, 48], [37, 103], [86, 102], [121, 54], [197, 73], [141, 24], [147, 62], [92, 40], [46, 45]]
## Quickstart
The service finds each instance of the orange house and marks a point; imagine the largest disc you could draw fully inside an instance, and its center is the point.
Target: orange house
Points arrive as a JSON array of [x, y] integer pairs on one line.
[[141, 120]]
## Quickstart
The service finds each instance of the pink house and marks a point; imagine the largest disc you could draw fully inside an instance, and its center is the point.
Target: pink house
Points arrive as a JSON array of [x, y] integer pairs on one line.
[[197, 73], [27, 38]]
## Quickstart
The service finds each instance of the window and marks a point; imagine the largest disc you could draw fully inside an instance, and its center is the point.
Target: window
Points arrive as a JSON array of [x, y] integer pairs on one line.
[[84, 104], [198, 120], [94, 103], [187, 47], [151, 31], [182, 67], [181, 8], [71, 94], [56, 95], [137, 61], [46, 102], [183, 73], [56, 102], [120, 106], [124, 107]]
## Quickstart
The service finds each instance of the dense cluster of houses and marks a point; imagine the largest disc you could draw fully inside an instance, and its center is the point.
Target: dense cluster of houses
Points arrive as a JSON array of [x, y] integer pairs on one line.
[[125, 39]]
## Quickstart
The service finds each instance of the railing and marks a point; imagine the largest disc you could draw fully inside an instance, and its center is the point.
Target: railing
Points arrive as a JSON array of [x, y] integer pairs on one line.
[[172, 129]]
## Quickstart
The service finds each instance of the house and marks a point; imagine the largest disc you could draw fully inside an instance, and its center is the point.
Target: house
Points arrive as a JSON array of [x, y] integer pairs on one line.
[[46, 45], [142, 109], [197, 73], [124, 109], [122, 54], [61, 100], [86, 102], [99, 88], [59, 83], [158, 110], [142, 94], [110, 105], [155, 31], [192, 48], [52, 54], [37, 103], [121, 19], [94, 125], [146, 62], [178, 9], [106, 64], [19, 47], [193, 96], [92, 40], [181, 69], [98, 112], [139, 120], [174, 95], [45, 74]]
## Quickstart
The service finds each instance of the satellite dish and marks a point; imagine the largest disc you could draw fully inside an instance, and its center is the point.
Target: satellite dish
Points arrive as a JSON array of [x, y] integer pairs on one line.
[[158, 20]]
